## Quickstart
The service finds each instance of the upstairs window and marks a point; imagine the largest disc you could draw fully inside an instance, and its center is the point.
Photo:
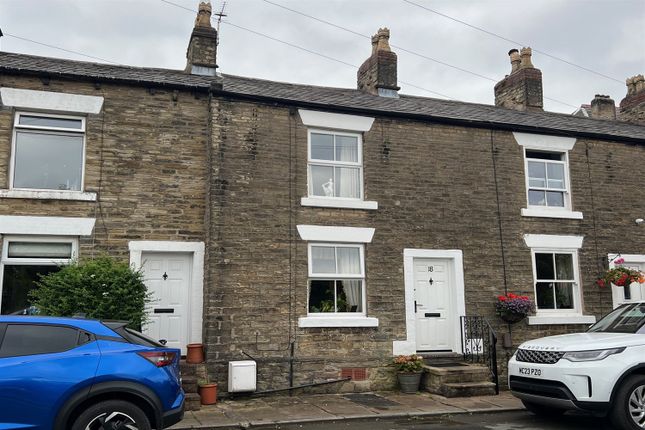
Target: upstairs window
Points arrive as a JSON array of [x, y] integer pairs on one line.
[[547, 179], [336, 279], [335, 167], [48, 152]]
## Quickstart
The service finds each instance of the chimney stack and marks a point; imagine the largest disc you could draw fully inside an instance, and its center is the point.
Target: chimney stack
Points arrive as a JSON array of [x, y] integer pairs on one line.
[[632, 107], [522, 89], [603, 107], [201, 55], [377, 75]]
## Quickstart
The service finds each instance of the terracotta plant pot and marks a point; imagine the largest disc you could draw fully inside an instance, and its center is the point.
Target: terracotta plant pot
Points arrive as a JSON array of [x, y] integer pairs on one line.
[[208, 394], [195, 353]]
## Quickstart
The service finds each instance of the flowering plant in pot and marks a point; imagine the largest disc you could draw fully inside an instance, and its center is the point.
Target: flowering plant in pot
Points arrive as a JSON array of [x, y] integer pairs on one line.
[[513, 308], [409, 369], [620, 276]]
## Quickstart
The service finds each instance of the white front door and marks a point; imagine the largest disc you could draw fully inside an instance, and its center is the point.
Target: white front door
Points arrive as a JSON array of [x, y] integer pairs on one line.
[[435, 312], [633, 293], [167, 276]]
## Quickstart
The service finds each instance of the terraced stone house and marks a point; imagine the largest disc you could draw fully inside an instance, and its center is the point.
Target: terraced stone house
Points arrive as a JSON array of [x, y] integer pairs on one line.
[[319, 230]]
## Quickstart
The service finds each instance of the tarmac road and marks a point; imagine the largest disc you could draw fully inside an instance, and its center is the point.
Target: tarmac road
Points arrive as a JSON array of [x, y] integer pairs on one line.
[[520, 420]]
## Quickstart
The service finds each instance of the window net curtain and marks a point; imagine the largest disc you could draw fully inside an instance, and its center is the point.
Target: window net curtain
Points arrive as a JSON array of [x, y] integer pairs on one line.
[[349, 262], [347, 178]]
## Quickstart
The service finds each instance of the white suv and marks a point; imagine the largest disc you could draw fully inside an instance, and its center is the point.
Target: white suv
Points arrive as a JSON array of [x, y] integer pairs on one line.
[[601, 371]]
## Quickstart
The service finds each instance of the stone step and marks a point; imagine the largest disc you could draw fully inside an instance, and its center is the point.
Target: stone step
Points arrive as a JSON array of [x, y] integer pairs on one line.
[[453, 374], [468, 389], [189, 384], [192, 402]]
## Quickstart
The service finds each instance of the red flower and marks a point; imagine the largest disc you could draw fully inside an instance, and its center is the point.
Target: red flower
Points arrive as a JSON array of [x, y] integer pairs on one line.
[[601, 283]]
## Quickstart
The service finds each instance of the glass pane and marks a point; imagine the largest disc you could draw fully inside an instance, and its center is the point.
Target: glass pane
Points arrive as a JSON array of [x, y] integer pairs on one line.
[[564, 267], [349, 261], [43, 121], [544, 155], [564, 295], [544, 266], [321, 296], [555, 173], [537, 198], [39, 250], [349, 296], [544, 295], [555, 198], [17, 282], [347, 148], [323, 259], [537, 174], [48, 161], [322, 146], [348, 183], [322, 181], [26, 339]]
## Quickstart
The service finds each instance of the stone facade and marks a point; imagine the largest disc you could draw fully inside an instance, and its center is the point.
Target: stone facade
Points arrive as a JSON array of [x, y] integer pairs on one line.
[[185, 160]]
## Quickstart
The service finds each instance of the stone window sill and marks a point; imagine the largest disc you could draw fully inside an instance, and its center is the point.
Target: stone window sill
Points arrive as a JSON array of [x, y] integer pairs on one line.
[[338, 203], [562, 319], [550, 213], [361, 321], [48, 195]]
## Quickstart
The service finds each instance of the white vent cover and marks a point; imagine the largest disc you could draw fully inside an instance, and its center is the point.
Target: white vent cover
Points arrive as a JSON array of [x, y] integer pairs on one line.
[[242, 376]]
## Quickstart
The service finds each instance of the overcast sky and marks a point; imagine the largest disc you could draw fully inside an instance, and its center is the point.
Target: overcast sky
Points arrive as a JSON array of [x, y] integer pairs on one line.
[[606, 36]]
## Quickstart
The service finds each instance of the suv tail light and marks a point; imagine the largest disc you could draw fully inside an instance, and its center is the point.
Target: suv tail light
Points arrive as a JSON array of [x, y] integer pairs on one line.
[[159, 358]]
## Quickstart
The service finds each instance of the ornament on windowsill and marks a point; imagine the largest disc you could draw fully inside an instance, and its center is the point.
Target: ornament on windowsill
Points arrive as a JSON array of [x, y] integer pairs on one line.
[[328, 188]]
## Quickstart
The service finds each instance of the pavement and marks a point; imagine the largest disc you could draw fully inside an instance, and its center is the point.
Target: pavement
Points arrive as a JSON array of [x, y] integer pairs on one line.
[[243, 413]]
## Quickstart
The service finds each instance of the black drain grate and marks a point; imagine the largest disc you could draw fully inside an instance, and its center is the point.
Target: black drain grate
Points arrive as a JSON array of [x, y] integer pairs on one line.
[[370, 400]]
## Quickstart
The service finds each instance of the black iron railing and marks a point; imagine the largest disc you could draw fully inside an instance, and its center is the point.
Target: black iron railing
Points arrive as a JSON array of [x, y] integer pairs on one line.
[[479, 344]]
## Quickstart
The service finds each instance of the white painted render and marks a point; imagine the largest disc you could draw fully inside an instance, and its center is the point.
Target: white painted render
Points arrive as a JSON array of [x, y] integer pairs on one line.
[[46, 225], [319, 233], [337, 121], [50, 101]]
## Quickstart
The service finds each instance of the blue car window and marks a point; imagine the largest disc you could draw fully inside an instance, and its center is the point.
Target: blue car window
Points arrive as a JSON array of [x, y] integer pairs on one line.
[[28, 339]]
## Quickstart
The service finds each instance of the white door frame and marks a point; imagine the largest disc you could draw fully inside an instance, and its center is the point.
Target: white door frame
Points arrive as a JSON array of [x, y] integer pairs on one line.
[[195, 307], [409, 346], [616, 299]]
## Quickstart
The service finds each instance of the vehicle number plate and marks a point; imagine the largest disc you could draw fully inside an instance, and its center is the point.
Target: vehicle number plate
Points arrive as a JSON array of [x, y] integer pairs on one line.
[[530, 372]]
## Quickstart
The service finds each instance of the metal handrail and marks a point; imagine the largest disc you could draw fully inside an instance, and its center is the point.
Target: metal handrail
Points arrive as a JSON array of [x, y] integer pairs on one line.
[[479, 344]]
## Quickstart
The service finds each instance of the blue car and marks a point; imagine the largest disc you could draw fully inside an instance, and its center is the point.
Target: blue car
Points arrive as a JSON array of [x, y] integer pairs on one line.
[[80, 374]]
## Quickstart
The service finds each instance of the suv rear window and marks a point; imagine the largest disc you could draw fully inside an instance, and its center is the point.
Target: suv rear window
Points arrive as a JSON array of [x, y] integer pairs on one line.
[[28, 339]]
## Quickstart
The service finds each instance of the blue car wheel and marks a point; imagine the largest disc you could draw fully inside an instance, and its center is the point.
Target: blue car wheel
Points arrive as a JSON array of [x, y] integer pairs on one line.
[[112, 414]]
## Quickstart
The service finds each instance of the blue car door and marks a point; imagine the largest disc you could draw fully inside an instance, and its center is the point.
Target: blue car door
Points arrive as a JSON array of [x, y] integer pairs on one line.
[[41, 366]]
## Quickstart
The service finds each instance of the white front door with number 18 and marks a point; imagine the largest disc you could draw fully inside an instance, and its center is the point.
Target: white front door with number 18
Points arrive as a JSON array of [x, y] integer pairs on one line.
[[167, 276], [434, 304]]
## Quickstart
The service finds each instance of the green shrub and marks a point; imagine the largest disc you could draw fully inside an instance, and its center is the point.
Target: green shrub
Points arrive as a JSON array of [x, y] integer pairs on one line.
[[102, 288]]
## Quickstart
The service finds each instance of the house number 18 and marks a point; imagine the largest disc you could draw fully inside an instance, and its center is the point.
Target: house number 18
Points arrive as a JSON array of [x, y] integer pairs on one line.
[[430, 268]]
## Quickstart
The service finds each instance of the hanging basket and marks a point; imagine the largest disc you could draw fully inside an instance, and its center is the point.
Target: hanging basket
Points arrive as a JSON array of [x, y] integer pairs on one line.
[[512, 317]]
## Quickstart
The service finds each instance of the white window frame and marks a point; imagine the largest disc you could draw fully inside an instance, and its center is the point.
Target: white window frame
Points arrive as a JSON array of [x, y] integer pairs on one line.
[[328, 163], [336, 277], [553, 144], [566, 191], [554, 244], [6, 260], [59, 131]]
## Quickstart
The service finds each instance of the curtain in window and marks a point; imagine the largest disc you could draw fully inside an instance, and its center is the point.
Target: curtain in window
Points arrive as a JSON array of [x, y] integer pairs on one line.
[[353, 292], [347, 179], [349, 262]]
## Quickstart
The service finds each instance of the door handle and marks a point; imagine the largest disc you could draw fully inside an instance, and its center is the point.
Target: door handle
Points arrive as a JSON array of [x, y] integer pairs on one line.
[[415, 306]]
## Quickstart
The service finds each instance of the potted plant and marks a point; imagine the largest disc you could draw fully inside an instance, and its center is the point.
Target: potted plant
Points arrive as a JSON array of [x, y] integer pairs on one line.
[[207, 391], [409, 369], [512, 308], [620, 276]]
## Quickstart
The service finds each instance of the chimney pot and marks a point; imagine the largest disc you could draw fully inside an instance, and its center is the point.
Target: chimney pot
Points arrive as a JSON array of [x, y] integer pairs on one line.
[[514, 54], [525, 61]]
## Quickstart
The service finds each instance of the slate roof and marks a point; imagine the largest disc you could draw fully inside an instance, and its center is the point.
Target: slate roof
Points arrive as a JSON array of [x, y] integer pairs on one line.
[[343, 99]]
